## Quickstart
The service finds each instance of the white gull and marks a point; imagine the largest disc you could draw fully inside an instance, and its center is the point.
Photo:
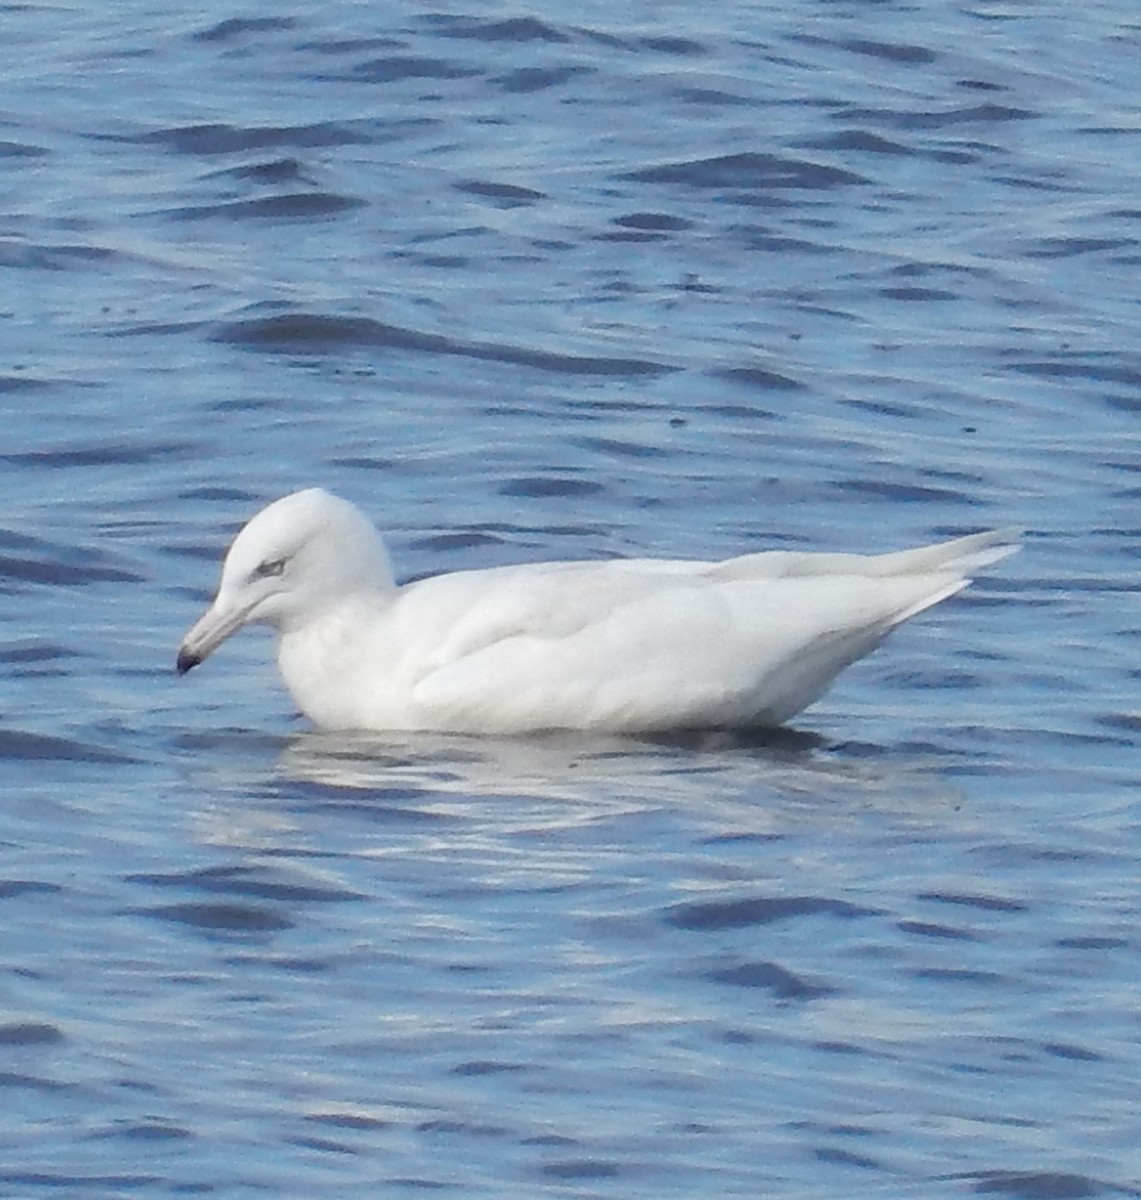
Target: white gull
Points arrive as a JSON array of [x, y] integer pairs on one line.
[[625, 646]]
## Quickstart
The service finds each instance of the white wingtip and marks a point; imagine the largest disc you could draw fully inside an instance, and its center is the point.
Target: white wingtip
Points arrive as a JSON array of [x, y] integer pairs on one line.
[[961, 556]]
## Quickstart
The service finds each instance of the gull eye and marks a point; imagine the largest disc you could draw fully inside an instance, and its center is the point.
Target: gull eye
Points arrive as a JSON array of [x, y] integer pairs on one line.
[[270, 568]]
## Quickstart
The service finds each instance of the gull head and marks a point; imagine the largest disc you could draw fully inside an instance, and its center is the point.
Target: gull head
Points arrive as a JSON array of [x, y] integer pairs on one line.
[[297, 556]]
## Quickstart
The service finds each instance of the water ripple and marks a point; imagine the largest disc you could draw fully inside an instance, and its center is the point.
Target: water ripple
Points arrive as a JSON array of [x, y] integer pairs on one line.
[[552, 284], [312, 332]]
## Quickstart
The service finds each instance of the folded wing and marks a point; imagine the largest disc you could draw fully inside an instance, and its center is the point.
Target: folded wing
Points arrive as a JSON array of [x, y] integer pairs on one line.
[[640, 645]]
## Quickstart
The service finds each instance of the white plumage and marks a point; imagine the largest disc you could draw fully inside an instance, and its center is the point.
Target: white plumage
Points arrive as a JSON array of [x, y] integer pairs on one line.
[[630, 645]]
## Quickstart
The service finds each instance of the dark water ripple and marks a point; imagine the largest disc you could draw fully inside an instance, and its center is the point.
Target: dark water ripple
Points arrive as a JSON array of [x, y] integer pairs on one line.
[[570, 284], [19, 745], [307, 331]]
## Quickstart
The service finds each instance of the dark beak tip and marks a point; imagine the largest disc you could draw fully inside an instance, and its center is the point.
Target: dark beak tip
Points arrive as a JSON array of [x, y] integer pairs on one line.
[[185, 662]]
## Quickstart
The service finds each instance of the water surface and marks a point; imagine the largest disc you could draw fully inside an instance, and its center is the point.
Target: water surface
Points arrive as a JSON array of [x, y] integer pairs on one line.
[[529, 283]]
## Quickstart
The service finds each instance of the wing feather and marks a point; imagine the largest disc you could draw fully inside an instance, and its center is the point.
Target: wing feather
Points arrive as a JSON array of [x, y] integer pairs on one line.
[[690, 652]]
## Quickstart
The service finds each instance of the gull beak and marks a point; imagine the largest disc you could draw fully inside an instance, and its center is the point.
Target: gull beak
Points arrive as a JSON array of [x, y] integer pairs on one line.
[[207, 634]]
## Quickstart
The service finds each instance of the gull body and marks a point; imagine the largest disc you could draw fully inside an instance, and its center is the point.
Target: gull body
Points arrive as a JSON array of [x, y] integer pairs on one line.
[[626, 646]]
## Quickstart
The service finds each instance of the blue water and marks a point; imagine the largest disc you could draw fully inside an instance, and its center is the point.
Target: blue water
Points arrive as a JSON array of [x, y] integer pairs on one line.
[[570, 281]]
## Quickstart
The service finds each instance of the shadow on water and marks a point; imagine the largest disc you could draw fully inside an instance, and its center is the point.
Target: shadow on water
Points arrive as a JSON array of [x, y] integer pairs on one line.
[[548, 764], [354, 794], [708, 769]]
